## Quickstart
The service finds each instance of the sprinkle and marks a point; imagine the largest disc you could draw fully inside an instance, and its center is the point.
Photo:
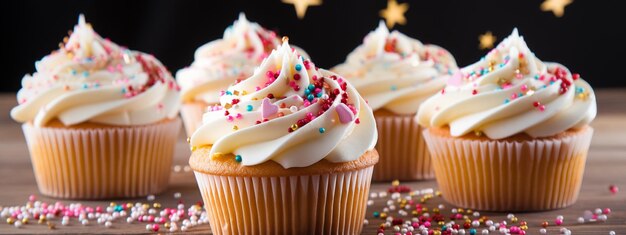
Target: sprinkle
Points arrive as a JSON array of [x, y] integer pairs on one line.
[[293, 109], [474, 92], [394, 87], [268, 109], [613, 189], [238, 158], [85, 86], [235, 127], [85, 74], [322, 130], [345, 115], [506, 101], [249, 107], [298, 67]]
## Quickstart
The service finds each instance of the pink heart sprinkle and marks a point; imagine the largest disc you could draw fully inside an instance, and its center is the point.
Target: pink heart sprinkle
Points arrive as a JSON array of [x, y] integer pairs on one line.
[[345, 115], [455, 80], [268, 109]]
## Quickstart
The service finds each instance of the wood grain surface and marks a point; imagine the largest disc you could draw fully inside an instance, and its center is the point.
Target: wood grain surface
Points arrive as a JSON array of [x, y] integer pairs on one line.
[[606, 165]]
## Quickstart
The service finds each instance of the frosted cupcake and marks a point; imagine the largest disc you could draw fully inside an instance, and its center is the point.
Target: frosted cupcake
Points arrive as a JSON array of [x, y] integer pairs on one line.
[[510, 132], [289, 150], [100, 120], [395, 74], [221, 63]]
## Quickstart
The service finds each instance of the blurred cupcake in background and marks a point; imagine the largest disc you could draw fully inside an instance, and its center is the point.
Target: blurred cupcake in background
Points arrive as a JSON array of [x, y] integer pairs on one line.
[[221, 63], [100, 120], [395, 74], [510, 132], [289, 150]]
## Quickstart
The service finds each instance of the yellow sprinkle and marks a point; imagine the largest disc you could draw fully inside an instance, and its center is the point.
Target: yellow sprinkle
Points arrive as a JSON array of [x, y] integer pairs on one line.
[[193, 148], [188, 139], [228, 105], [395, 183], [235, 127], [294, 127], [156, 205], [244, 92], [236, 92], [478, 133]]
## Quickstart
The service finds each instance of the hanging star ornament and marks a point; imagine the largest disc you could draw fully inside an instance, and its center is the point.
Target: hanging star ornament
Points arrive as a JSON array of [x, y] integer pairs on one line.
[[302, 5], [486, 40], [556, 6], [394, 13]]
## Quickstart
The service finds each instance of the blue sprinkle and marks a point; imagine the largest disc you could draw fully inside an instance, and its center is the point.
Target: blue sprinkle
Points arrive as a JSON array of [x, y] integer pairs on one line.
[[298, 67], [85, 74], [319, 95], [85, 86], [249, 107], [307, 92], [506, 101], [123, 90], [537, 77], [520, 94], [73, 72], [311, 87], [322, 130], [551, 82], [96, 85], [310, 97], [228, 93], [394, 87], [472, 231], [580, 90], [238, 158]]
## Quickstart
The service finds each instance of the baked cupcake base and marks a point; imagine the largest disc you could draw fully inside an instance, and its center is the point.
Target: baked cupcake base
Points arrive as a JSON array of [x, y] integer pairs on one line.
[[324, 198], [403, 151], [191, 112], [93, 161], [519, 173]]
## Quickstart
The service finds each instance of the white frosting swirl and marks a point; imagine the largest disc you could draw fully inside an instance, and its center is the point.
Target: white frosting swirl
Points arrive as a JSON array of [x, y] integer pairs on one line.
[[395, 72], [508, 92], [225, 61], [91, 79], [290, 113]]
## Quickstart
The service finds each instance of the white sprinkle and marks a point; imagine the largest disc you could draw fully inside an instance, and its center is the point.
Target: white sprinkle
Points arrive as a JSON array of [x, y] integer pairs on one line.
[[177, 195], [150, 197], [581, 220]]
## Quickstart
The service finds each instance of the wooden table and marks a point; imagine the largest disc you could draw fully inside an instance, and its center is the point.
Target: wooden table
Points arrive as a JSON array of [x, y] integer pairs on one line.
[[606, 165]]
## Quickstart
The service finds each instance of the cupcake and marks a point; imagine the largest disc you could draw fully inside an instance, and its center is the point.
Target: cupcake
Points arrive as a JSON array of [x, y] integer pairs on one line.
[[100, 120], [289, 150], [395, 74], [510, 132], [221, 63]]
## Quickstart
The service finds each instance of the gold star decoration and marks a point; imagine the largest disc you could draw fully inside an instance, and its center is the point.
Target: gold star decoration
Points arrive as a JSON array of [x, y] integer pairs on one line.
[[394, 13], [486, 40], [556, 6], [302, 5]]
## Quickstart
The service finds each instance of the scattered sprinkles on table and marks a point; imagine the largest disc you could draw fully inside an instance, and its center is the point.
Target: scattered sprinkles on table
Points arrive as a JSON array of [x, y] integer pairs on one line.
[[156, 217], [411, 211]]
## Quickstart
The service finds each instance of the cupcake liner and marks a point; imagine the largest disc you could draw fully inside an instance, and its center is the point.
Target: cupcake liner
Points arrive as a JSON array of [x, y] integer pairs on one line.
[[192, 115], [306, 204], [510, 175], [402, 149], [99, 163]]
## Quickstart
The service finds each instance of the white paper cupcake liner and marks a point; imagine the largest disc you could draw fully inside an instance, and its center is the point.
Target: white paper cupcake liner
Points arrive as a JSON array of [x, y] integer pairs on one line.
[[402, 149], [501, 175], [308, 204], [192, 116], [99, 163]]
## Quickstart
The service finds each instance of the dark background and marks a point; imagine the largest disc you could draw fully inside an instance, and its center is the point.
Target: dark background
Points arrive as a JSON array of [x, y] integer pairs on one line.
[[588, 39]]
